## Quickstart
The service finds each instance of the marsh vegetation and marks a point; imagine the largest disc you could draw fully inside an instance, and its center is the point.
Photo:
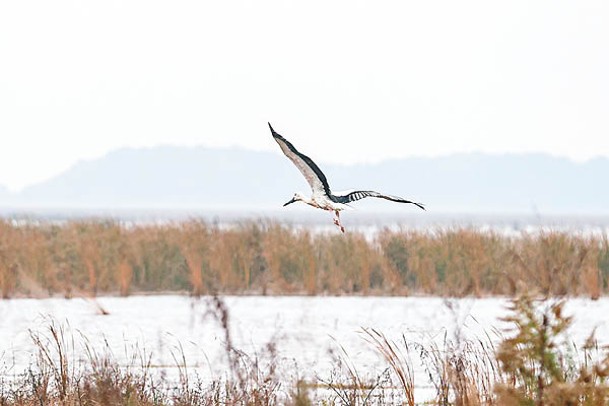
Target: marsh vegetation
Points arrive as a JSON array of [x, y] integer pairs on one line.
[[534, 362], [105, 257]]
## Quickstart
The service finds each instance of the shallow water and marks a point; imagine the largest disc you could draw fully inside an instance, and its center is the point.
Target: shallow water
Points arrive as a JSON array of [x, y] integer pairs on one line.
[[307, 332], [368, 221]]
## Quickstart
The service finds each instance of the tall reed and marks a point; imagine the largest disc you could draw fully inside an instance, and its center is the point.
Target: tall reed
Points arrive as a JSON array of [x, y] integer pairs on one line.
[[93, 257]]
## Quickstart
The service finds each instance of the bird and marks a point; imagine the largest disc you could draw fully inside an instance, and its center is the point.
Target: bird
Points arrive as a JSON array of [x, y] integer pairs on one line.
[[322, 196]]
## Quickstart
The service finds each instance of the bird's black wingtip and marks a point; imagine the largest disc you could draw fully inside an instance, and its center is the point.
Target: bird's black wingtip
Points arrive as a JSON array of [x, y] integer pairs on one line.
[[271, 127]]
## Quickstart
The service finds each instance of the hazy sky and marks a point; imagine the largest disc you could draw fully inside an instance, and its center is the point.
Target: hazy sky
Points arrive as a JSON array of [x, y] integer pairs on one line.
[[344, 80]]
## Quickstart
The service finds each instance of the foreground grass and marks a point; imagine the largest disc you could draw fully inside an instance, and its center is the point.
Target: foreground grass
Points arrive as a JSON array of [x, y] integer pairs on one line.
[[92, 257], [533, 364]]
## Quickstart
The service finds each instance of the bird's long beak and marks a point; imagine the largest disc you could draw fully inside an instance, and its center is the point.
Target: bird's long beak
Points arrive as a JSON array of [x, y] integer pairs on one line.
[[290, 202]]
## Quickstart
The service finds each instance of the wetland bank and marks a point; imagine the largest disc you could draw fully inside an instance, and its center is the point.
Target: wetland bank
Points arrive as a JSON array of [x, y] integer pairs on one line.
[[193, 312]]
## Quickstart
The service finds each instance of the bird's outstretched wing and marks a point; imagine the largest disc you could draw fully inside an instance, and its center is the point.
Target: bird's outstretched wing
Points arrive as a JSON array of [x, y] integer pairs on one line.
[[361, 194], [314, 176]]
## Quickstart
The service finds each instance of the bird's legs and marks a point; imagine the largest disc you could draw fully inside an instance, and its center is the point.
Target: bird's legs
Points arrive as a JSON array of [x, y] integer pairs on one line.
[[337, 221]]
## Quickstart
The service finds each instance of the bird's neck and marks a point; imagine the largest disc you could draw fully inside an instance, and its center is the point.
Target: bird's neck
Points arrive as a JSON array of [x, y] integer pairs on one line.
[[308, 200]]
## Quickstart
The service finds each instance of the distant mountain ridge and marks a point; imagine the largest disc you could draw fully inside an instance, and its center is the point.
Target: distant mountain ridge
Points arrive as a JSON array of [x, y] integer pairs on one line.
[[196, 177]]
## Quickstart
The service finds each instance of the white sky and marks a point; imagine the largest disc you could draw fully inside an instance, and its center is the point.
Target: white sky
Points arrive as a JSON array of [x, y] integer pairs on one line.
[[345, 80]]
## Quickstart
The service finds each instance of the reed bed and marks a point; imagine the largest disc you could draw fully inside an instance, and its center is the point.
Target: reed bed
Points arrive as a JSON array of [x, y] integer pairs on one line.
[[107, 257], [534, 363]]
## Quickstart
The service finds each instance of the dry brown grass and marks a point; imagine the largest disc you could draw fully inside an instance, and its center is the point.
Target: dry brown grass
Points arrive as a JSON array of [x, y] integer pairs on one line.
[[92, 257]]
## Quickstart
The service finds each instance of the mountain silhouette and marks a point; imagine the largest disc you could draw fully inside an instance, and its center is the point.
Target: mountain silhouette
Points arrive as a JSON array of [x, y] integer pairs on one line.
[[168, 177]]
